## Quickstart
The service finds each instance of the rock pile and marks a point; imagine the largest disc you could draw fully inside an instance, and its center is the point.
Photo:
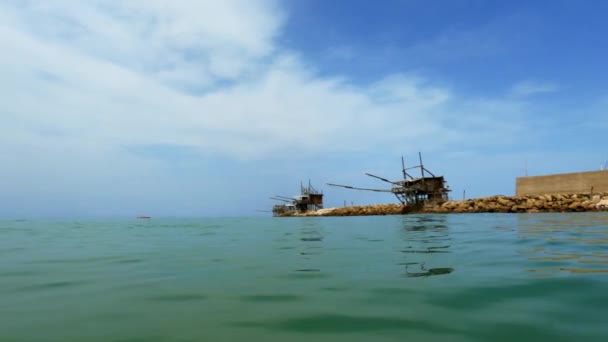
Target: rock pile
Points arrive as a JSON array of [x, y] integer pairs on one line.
[[521, 204]]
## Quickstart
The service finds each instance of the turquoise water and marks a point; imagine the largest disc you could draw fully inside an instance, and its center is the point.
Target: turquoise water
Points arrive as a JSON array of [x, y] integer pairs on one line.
[[468, 277]]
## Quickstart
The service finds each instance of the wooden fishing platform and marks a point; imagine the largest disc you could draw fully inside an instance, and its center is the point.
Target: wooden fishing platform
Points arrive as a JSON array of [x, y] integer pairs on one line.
[[412, 191], [309, 199]]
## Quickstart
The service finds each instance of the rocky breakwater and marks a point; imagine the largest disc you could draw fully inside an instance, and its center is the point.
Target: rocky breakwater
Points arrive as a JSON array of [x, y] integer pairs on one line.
[[359, 210], [524, 204], [493, 204]]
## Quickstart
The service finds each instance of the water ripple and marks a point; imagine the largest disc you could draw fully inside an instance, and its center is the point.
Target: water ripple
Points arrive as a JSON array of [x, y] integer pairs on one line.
[[178, 297], [264, 298], [346, 324], [50, 286], [569, 245]]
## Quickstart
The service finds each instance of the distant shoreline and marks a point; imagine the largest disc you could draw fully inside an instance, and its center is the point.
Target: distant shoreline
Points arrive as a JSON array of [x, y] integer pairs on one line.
[[492, 204]]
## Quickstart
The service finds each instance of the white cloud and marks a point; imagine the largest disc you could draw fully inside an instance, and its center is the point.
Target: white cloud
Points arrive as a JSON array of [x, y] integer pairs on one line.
[[528, 88], [285, 108], [193, 41]]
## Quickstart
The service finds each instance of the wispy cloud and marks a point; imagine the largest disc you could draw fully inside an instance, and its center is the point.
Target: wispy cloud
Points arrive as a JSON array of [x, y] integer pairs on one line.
[[191, 42], [529, 87], [116, 84]]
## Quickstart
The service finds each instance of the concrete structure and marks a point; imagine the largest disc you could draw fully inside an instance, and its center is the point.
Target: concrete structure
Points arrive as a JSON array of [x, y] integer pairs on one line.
[[579, 182]]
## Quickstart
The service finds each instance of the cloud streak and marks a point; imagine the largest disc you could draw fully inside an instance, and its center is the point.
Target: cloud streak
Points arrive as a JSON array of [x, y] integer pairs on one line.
[[529, 88]]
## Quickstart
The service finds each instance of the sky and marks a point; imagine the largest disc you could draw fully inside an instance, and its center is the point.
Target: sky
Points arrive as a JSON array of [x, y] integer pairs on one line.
[[208, 108]]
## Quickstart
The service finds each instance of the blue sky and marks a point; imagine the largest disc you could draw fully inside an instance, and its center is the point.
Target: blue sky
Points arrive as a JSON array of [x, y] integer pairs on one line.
[[207, 108]]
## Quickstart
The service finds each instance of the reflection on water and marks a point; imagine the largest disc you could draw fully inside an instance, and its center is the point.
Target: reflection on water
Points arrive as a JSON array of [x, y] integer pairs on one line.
[[429, 272], [424, 234], [310, 239], [573, 243]]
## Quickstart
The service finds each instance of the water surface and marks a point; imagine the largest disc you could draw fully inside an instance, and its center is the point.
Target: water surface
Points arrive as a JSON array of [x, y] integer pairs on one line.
[[468, 277]]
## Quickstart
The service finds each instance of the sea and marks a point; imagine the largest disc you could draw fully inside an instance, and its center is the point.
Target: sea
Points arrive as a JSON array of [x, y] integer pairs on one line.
[[427, 277]]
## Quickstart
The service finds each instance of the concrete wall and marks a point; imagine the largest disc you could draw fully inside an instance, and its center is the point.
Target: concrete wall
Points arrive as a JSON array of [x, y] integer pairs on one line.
[[580, 182]]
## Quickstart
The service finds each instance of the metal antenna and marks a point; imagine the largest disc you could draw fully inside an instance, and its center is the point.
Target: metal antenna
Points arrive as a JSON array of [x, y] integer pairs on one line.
[[421, 167], [403, 167]]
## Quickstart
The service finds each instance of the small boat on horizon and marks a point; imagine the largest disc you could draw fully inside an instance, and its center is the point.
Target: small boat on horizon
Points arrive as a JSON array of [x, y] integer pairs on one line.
[[144, 217]]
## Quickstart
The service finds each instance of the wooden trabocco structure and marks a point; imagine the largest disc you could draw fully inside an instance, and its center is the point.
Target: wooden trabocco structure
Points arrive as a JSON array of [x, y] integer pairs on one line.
[[309, 199], [412, 191]]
